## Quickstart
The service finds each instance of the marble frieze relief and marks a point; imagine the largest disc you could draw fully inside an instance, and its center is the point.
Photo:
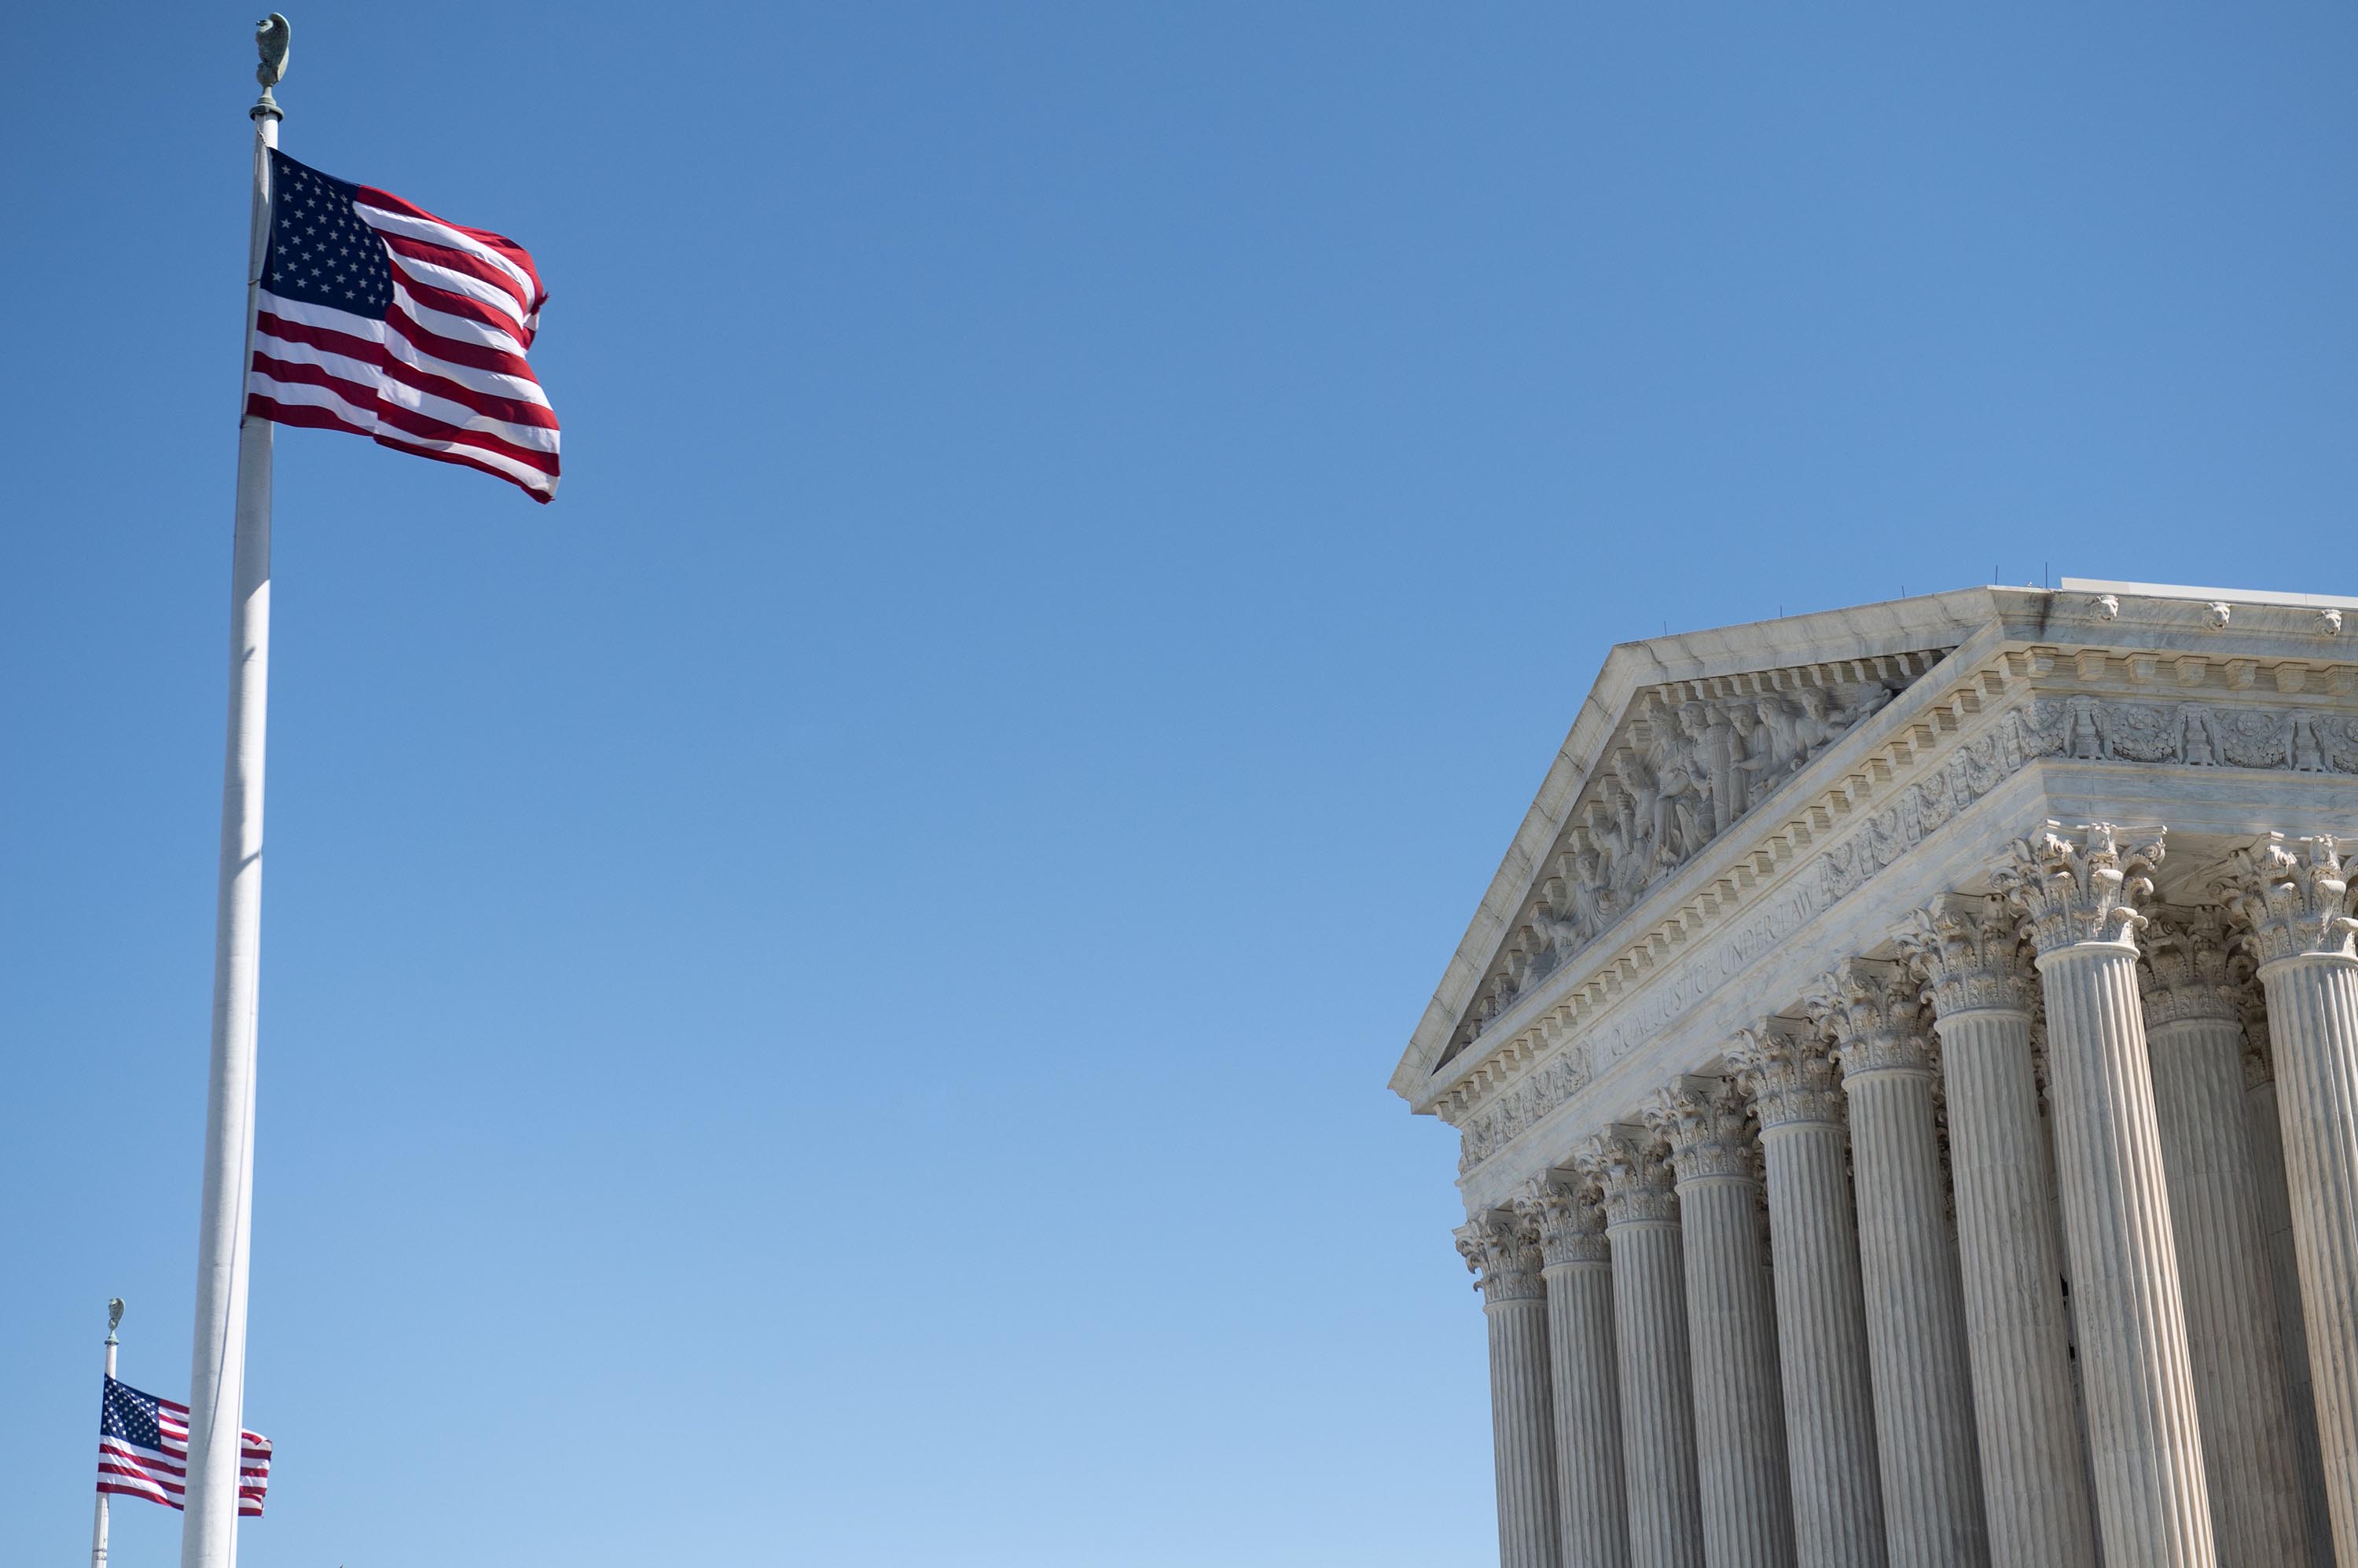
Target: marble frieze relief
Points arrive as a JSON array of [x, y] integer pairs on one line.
[[1691, 759]]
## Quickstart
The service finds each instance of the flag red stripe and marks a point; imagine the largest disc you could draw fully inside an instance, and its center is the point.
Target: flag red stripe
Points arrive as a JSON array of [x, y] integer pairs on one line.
[[429, 429], [459, 261], [303, 413], [514, 410], [465, 307], [293, 372], [325, 338], [475, 356], [371, 196]]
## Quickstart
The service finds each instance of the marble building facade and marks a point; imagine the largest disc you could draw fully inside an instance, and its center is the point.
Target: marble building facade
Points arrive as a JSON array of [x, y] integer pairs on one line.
[[1907, 1077]]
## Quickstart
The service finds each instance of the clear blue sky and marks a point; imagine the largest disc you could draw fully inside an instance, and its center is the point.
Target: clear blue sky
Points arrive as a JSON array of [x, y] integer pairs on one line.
[[827, 998]]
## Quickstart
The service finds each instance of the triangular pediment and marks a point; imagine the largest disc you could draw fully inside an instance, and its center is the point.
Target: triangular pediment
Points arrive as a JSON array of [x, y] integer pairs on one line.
[[1681, 741]]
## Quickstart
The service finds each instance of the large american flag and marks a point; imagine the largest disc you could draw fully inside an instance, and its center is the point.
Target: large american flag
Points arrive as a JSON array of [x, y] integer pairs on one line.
[[143, 1450], [378, 317]]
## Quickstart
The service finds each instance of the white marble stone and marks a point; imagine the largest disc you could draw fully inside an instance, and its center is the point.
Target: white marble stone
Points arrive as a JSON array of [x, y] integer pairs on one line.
[[1737, 813], [1650, 1324], [1747, 1513], [2034, 1469], [2196, 1036], [1820, 1317], [1592, 1496], [2294, 900], [1503, 1249], [1874, 1018], [2152, 1501]]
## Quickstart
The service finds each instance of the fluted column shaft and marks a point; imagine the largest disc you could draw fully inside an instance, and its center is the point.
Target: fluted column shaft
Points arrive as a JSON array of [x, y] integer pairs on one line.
[[2284, 1276], [1915, 1305], [2144, 1433], [2034, 1470], [2034, 1467], [1915, 1328], [1820, 1317], [2196, 1041], [2313, 1021], [1592, 1499], [1650, 1327], [2153, 1506], [1747, 1520], [1522, 1424]]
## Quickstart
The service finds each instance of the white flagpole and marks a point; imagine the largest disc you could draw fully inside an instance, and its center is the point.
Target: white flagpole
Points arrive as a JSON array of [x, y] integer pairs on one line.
[[224, 1234], [98, 1520]]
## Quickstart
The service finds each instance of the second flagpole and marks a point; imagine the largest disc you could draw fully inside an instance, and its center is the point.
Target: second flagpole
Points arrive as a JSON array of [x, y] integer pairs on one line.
[[225, 1232]]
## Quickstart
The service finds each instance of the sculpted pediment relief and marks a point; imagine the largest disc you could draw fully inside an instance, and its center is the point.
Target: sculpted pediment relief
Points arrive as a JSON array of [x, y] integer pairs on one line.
[[1688, 760]]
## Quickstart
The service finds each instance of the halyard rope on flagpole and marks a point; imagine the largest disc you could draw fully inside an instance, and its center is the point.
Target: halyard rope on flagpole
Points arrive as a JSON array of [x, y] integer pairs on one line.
[[224, 1230]]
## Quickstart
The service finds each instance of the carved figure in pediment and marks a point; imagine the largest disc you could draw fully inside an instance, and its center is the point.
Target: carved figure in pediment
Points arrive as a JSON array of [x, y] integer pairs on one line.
[[1680, 814], [2198, 736], [1726, 734], [1633, 857], [1777, 745], [1854, 700]]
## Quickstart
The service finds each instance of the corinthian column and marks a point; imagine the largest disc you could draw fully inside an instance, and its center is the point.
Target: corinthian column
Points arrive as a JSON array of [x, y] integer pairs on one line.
[[2295, 899], [1747, 1519], [2034, 1471], [1650, 1326], [2196, 1039], [1915, 1310], [2284, 1268], [1591, 1497], [1821, 1321], [2153, 1508], [1504, 1252]]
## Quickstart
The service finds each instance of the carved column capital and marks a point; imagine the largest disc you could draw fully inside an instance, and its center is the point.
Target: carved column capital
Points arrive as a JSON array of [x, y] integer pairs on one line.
[[1703, 1122], [1789, 1075], [2187, 974], [2292, 896], [1502, 1249], [1968, 951], [1873, 1016], [1569, 1219], [1632, 1173], [2080, 887]]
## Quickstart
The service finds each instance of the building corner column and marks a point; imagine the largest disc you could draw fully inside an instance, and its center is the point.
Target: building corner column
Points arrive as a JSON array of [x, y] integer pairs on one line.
[[2195, 1038], [2034, 1469], [1873, 1016], [1592, 1496], [1747, 1520], [2293, 897], [1502, 1248], [1837, 1496], [1650, 1326], [2145, 1438]]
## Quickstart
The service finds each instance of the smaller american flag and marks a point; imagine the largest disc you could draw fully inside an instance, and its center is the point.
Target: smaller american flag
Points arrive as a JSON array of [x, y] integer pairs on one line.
[[143, 1450]]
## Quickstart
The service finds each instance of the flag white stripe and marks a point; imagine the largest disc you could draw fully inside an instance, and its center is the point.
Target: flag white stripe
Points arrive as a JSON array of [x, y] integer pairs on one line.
[[303, 391], [460, 329], [490, 382], [402, 223], [473, 287], [321, 316], [361, 372], [458, 415], [524, 473]]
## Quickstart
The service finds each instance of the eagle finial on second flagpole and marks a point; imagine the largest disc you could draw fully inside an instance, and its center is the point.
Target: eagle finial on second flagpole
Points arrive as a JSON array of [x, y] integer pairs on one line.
[[270, 36]]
